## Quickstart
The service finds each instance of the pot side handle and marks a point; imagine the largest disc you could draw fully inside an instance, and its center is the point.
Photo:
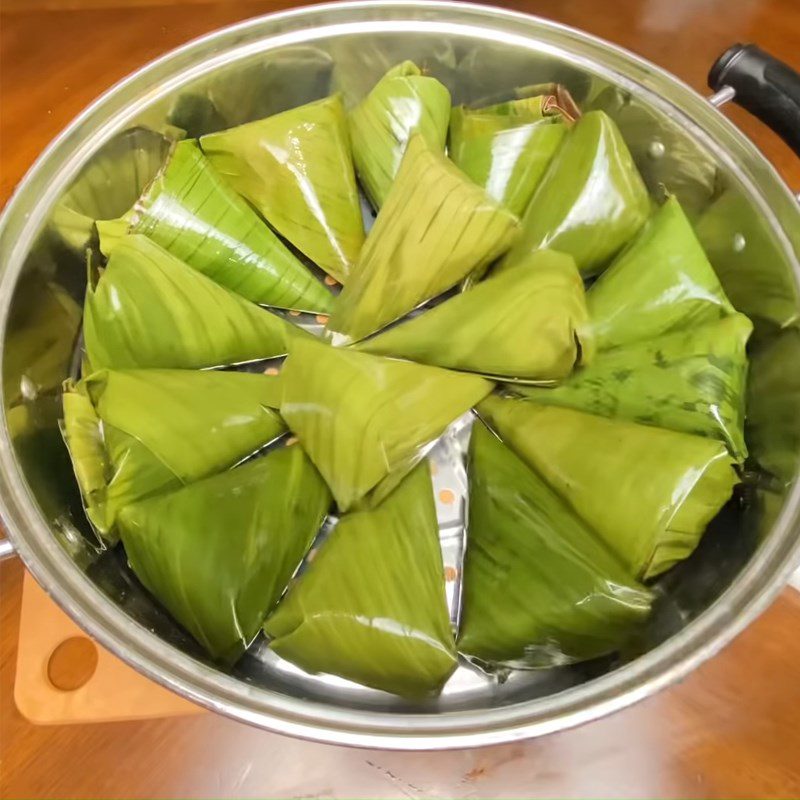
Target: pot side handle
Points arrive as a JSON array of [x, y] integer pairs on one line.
[[768, 88]]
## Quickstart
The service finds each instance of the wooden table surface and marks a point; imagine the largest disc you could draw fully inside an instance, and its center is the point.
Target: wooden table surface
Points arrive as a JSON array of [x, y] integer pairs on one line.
[[731, 730]]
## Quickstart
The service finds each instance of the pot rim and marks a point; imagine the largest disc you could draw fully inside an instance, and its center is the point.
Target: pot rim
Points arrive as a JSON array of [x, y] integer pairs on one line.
[[758, 584]]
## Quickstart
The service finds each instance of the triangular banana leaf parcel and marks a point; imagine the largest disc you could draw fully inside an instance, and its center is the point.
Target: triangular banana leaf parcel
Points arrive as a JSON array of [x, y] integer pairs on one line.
[[661, 283], [148, 309], [591, 201], [160, 429], [362, 418], [649, 492], [371, 605], [403, 102], [540, 588], [528, 323], [435, 228], [219, 553], [296, 169], [194, 214], [506, 148], [691, 381]]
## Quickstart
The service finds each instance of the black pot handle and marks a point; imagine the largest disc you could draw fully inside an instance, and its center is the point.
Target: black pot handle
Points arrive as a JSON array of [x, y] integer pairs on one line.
[[763, 85]]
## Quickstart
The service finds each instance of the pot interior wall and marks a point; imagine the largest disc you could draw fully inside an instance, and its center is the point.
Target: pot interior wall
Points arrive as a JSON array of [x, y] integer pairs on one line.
[[44, 324]]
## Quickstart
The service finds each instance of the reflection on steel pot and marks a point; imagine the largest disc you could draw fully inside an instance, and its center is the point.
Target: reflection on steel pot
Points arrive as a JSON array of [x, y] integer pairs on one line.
[[745, 216]]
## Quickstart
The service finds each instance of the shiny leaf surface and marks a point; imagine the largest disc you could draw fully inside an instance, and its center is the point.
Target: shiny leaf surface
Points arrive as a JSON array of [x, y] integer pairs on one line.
[[591, 201], [403, 102], [661, 283], [362, 418], [435, 228], [540, 588], [162, 428], [194, 214], [219, 553], [649, 492], [296, 169], [527, 323], [691, 381], [149, 309], [506, 148], [371, 605]]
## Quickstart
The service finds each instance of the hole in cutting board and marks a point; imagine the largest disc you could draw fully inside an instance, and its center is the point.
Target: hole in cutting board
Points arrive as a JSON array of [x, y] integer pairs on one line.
[[72, 663]]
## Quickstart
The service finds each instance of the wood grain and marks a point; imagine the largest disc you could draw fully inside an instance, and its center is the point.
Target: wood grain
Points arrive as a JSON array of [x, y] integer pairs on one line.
[[731, 730]]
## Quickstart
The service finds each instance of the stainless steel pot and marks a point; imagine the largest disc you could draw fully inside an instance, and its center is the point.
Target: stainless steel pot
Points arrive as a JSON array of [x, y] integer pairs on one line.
[[748, 220]]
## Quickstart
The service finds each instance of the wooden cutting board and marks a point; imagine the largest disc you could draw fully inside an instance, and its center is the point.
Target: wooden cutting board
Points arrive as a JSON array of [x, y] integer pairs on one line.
[[63, 676]]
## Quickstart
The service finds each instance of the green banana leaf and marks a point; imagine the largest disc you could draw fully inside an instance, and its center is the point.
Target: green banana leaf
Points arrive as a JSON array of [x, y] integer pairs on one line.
[[362, 418], [435, 228], [649, 492], [371, 605], [590, 202], [403, 102], [219, 553], [83, 435], [506, 148], [161, 429], [551, 98], [528, 323], [297, 170], [773, 405], [41, 335], [691, 381], [540, 588], [659, 284], [110, 232], [148, 309], [196, 216]]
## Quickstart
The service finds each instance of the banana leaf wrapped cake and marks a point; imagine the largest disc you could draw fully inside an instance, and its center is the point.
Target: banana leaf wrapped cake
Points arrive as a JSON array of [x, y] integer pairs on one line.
[[661, 283], [506, 148], [435, 228], [364, 420], [219, 553], [148, 309], [296, 168], [132, 434], [403, 102], [541, 589], [580, 440], [691, 381], [528, 323], [590, 202], [648, 492], [195, 215], [371, 605]]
